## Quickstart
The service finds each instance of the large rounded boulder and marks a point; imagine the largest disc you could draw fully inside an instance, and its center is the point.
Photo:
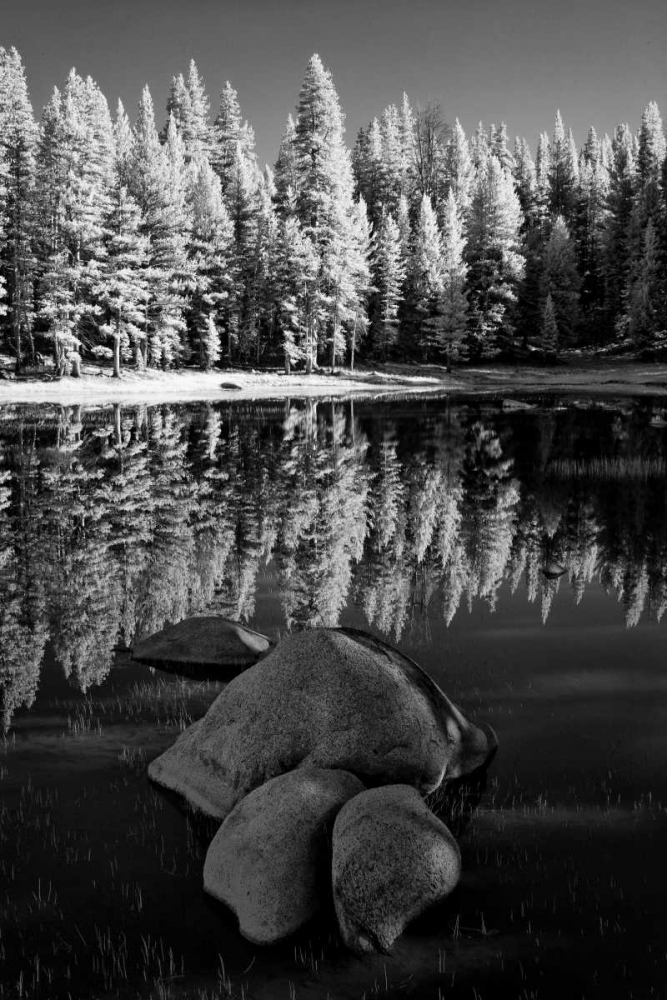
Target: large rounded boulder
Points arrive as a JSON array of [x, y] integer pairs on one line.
[[329, 698], [270, 860], [392, 860]]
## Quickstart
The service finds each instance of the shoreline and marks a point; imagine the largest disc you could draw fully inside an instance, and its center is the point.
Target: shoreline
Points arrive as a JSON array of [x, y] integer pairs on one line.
[[600, 378]]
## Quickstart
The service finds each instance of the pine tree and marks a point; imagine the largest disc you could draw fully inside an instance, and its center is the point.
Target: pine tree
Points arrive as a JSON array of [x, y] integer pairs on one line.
[[338, 272], [52, 178], [177, 104], [652, 147], [189, 106], [549, 331], [407, 141], [591, 152], [209, 344], [77, 153], [643, 298], [458, 167], [394, 165], [158, 184], [286, 173], [121, 289], [622, 189], [425, 278], [431, 136], [542, 177], [171, 275], [232, 137], [242, 200], [453, 302], [388, 279], [557, 179], [298, 268], [196, 131], [369, 170], [18, 143], [494, 258], [560, 279], [209, 252], [525, 182], [324, 203], [479, 147], [267, 251], [359, 264], [499, 148], [590, 233]]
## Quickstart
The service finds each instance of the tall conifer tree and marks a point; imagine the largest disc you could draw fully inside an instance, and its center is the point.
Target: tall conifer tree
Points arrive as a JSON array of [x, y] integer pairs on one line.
[[494, 257], [388, 278], [18, 145]]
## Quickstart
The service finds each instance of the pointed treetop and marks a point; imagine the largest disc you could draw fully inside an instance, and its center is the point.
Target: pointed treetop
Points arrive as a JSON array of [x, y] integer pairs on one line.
[[651, 144], [559, 129]]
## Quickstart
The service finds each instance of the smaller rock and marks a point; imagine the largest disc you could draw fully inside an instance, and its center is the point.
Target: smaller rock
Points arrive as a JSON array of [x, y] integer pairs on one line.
[[392, 860], [514, 405], [269, 861], [206, 641], [552, 569], [231, 386]]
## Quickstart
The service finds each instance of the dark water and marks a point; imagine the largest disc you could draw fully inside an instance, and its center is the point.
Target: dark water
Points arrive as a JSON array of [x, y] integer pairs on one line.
[[520, 556]]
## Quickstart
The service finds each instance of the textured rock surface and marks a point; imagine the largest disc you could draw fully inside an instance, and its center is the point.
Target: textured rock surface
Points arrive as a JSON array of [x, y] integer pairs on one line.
[[331, 698], [202, 642], [392, 859], [270, 860]]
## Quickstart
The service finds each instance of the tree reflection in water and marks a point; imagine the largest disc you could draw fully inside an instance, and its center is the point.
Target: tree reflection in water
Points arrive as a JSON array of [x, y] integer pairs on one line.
[[116, 521]]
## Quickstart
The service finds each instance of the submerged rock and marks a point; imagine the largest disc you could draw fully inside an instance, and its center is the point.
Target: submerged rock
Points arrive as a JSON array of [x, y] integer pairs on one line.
[[329, 698], [270, 860], [514, 405], [553, 569], [392, 860], [205, 641]]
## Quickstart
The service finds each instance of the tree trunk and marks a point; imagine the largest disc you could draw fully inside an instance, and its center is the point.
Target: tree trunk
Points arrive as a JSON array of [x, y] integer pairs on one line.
[[309, 345], [118, 430], [116, 356], [354, 341], [333, 335], [16, 320], [288, 364], [116, 349]]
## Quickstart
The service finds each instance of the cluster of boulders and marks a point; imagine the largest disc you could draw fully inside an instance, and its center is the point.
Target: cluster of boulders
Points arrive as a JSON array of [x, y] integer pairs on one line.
[[316, 760]]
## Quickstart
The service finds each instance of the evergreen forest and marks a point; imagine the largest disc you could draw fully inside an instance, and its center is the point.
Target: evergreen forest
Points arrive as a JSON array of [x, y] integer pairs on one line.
[[157, 240]]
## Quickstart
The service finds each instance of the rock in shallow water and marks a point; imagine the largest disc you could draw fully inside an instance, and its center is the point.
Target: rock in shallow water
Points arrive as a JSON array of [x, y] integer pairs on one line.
[[392, 860], [329, 698], [205, 641], [270, 860]]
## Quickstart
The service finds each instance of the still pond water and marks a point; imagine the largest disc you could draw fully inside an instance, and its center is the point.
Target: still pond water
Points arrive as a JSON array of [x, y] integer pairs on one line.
[[520, 555]]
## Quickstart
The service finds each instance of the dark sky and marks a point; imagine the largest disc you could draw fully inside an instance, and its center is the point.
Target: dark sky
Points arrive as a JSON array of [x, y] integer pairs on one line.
[[514, 60]]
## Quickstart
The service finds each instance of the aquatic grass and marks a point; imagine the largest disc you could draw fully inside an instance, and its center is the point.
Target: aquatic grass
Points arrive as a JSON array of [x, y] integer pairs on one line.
[[605, 468], [170, 704]]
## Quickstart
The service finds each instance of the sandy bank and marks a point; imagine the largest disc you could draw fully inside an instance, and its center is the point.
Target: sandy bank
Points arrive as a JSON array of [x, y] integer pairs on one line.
[[610, 378]]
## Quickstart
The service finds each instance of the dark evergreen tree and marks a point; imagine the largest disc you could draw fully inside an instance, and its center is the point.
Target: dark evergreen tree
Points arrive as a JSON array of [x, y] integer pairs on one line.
[[495, 259], [560, 280]]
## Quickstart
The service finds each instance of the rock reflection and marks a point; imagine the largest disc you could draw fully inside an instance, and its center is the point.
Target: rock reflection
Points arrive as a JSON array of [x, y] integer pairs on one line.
[[116, 521]]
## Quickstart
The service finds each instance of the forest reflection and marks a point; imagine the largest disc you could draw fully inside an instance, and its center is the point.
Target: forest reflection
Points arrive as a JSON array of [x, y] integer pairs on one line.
[[114, 521]]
